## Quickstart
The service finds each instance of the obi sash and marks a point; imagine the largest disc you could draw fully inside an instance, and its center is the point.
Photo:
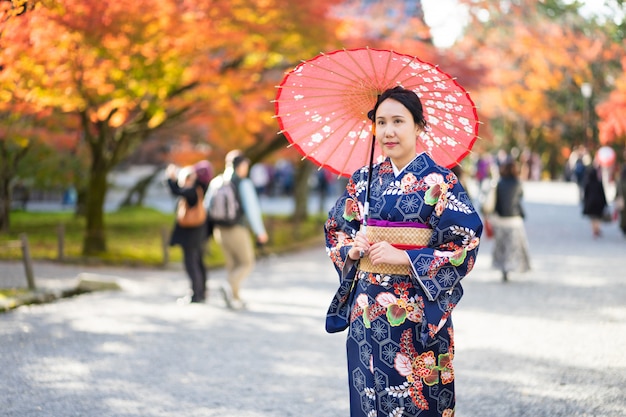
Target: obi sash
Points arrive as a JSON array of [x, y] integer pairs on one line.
[[401, 235]]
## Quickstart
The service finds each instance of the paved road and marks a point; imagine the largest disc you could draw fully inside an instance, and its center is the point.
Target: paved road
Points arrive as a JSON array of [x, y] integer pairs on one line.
[[549, 343], [159, 197]]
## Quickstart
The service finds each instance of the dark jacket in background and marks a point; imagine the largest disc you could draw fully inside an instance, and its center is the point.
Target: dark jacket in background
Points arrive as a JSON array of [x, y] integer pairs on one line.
[[509, 195], [188, 236], [594, 199]]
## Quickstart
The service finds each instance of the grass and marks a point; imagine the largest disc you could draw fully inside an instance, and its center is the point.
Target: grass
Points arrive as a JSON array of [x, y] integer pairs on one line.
[[7, 293], [135, 236]]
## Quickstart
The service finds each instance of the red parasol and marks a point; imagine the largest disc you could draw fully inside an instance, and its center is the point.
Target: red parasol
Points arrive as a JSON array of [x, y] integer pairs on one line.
[[322, 106]]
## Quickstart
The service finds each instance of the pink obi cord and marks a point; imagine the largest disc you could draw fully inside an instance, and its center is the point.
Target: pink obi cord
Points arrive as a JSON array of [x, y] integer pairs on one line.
[[387, 223]]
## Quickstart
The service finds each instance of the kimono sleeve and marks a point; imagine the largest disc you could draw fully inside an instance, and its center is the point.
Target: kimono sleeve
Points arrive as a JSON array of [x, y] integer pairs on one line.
[[453, 247], [344, 220]]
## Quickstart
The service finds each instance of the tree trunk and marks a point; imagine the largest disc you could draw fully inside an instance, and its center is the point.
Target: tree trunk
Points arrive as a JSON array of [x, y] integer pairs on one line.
[[81, 202], [137, 193], [553, 167], [301, 191], [9, 160], [262, 149], [95, 240], [5, 203]]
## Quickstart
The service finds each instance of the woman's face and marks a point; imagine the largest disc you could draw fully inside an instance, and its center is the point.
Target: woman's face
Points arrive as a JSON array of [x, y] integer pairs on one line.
[[396, 132]]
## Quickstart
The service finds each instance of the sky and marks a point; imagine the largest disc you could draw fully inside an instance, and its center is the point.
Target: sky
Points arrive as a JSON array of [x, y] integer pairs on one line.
[[446, 19]]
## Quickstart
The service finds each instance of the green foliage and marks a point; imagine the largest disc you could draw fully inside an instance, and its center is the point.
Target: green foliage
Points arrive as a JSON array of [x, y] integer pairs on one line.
[[136, 237], [12, 292]]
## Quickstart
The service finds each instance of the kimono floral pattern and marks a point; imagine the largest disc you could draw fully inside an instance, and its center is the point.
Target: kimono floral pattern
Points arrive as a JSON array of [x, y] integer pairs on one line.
[[400, 341]]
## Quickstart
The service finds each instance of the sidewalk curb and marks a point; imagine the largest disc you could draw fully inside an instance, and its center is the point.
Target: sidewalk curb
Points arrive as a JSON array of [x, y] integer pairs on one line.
[[86, 284]]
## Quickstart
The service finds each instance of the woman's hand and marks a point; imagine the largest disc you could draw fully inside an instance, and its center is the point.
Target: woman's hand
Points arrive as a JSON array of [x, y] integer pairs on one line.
[[379, 252], [385, 253], [360, 247]]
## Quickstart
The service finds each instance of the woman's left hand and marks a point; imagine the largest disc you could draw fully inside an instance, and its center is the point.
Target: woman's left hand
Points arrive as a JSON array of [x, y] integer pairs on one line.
[[385, 253]]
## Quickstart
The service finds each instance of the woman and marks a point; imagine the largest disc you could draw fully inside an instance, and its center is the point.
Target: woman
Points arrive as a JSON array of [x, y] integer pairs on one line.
[[400, 341], [191, 239], [594, 200], [510, 249]]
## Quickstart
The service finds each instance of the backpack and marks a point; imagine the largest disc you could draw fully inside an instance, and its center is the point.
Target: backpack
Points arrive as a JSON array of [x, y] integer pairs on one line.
[[224, 208]]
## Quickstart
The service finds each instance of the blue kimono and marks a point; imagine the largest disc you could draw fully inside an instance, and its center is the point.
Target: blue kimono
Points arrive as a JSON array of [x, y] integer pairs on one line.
[[400, 340]]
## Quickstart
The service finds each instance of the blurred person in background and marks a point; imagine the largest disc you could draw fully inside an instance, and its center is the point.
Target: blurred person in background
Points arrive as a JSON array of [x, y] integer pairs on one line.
[[510, 249], [581, 161], [184, 184], [594, 199], [260, 176], [482, 175], [234, 236]]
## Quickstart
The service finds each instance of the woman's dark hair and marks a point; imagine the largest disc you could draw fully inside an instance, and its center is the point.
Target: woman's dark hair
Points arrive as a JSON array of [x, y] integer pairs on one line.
[[407, 98], [508, 169]]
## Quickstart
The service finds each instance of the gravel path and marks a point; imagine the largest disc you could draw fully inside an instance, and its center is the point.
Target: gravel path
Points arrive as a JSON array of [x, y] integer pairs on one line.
[[550, 342]]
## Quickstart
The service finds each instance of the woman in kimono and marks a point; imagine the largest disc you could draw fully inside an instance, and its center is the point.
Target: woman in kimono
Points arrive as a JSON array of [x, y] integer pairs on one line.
[[421, 238]]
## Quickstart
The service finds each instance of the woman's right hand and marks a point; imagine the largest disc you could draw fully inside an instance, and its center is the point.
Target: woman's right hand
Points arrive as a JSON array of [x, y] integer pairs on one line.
[[360, 247]]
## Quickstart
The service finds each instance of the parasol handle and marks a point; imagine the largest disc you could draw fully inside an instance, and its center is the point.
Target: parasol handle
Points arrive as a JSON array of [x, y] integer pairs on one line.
[[366, 206], [366, 215]]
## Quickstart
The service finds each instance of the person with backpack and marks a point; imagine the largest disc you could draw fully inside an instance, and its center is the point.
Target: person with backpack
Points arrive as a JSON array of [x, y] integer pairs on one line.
[[233, 208]]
